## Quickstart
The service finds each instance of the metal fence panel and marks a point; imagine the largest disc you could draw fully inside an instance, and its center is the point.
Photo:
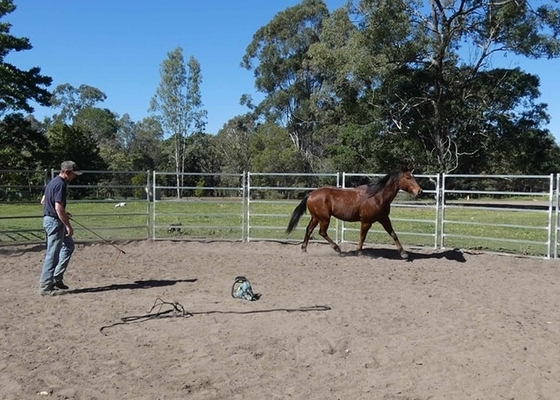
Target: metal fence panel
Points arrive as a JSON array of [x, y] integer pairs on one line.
[[20, 207], [495, 211], [198, 206], [505, 214], [91, 200], [414, 219], [271, 199]]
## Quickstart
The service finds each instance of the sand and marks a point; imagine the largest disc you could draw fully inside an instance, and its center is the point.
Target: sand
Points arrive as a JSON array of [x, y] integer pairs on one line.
[[444, 325]]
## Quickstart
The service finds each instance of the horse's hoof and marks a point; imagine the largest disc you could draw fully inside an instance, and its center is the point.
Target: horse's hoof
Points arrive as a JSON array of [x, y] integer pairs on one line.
[[304, 250], [404, 255]]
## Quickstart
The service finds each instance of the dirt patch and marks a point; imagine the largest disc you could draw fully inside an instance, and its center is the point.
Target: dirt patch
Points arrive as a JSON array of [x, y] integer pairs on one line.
[[445, 325]]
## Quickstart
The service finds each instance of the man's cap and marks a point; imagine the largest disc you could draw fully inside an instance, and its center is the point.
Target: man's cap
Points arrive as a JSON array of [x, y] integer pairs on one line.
[[70, 166]]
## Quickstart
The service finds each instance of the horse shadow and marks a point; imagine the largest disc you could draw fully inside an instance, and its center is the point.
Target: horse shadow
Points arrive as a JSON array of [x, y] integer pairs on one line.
[[390, 254], [147, 284]]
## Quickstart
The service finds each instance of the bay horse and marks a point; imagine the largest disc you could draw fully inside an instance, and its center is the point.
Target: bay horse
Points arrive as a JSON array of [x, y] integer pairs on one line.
[[366, 203]]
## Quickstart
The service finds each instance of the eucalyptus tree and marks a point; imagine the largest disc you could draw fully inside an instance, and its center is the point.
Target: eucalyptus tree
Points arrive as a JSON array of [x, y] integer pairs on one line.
[[355, 54], [178, 106], [145, 145], [69, 100], [413, 80], [271, 150], [232, 144], [76, 143], [443, 91], [278, 54]]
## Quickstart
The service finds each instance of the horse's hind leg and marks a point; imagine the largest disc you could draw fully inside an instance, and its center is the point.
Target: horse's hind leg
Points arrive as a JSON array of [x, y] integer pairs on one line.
[[386, 222], [323, 232], [312, 224]]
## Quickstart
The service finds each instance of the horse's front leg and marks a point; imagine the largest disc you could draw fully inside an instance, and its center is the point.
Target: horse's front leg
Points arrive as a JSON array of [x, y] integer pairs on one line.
[[364, 229], [386, 222]]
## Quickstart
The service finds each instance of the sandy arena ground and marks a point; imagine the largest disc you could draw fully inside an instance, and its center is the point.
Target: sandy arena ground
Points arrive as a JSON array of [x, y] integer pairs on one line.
[[445, 325]]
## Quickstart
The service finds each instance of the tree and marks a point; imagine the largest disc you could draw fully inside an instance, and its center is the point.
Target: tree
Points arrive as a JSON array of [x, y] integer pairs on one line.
[[28, 149], [447, 94], [271, 150], [201, 153], [75, 143], [71, 100], [18, 87], [177, 105], [146, 145], [22, 144], [413, 80], [232, 144], [284, 75]]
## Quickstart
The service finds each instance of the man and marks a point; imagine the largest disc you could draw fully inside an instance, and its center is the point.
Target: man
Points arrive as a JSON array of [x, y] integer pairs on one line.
[[58, 228]]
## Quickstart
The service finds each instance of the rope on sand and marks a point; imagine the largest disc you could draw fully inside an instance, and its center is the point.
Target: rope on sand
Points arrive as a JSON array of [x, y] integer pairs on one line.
[[176, 310]]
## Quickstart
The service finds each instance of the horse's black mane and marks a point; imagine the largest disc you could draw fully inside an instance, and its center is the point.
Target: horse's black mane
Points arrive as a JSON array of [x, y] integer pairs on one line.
[[375, 187]]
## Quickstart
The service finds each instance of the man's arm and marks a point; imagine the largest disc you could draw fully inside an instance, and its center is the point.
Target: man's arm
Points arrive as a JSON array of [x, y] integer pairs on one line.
[[63, 216]]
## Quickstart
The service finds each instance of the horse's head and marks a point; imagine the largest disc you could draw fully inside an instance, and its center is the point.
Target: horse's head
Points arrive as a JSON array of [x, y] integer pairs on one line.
[[408, 183]]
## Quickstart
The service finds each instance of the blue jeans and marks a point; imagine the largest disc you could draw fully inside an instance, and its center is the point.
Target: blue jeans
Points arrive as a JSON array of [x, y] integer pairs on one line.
[[59, 250]]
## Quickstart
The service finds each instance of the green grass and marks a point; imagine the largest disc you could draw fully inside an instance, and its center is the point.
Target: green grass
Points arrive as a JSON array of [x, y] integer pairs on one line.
[[21, 223], [488, 230]]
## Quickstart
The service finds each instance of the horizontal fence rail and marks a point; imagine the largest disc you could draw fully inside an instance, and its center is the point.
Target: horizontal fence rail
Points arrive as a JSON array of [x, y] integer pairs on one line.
[[413, 219], [505, 214], [513, 212], [271, 199], [195, 206], [92, 201]]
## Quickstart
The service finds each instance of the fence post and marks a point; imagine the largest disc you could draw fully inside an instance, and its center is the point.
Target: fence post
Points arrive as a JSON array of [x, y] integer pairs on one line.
[[442, 212], [244, 206], [149, 217]]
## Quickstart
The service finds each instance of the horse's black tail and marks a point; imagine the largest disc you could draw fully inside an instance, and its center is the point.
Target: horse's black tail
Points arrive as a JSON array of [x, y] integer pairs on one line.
[[296, 215]]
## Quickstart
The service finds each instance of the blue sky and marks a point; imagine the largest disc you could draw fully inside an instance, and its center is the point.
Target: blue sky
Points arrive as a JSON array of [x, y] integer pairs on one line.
[[117, 46]]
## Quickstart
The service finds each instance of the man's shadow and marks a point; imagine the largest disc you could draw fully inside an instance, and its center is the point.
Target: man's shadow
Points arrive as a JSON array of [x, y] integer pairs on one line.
[[148, 284], [453, 255], [18, 251]]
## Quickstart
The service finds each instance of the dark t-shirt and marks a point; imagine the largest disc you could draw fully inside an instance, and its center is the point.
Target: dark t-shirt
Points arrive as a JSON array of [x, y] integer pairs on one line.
[[55, 192]]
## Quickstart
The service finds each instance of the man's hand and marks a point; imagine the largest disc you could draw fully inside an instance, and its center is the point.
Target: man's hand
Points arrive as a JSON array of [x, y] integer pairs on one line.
[[69, 230]]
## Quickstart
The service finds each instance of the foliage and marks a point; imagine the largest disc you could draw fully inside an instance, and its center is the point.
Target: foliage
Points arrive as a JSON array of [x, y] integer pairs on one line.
[[71, 100], [380, 82], [443, 98], [272, 151], [18, 87], [22, 146], [74, 143], [232, 144], [365, 88], [144, 144], [284, 75], [177, 104]]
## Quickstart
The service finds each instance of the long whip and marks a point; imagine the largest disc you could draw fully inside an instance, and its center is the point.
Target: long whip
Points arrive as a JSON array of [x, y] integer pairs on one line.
[[99, 236]]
